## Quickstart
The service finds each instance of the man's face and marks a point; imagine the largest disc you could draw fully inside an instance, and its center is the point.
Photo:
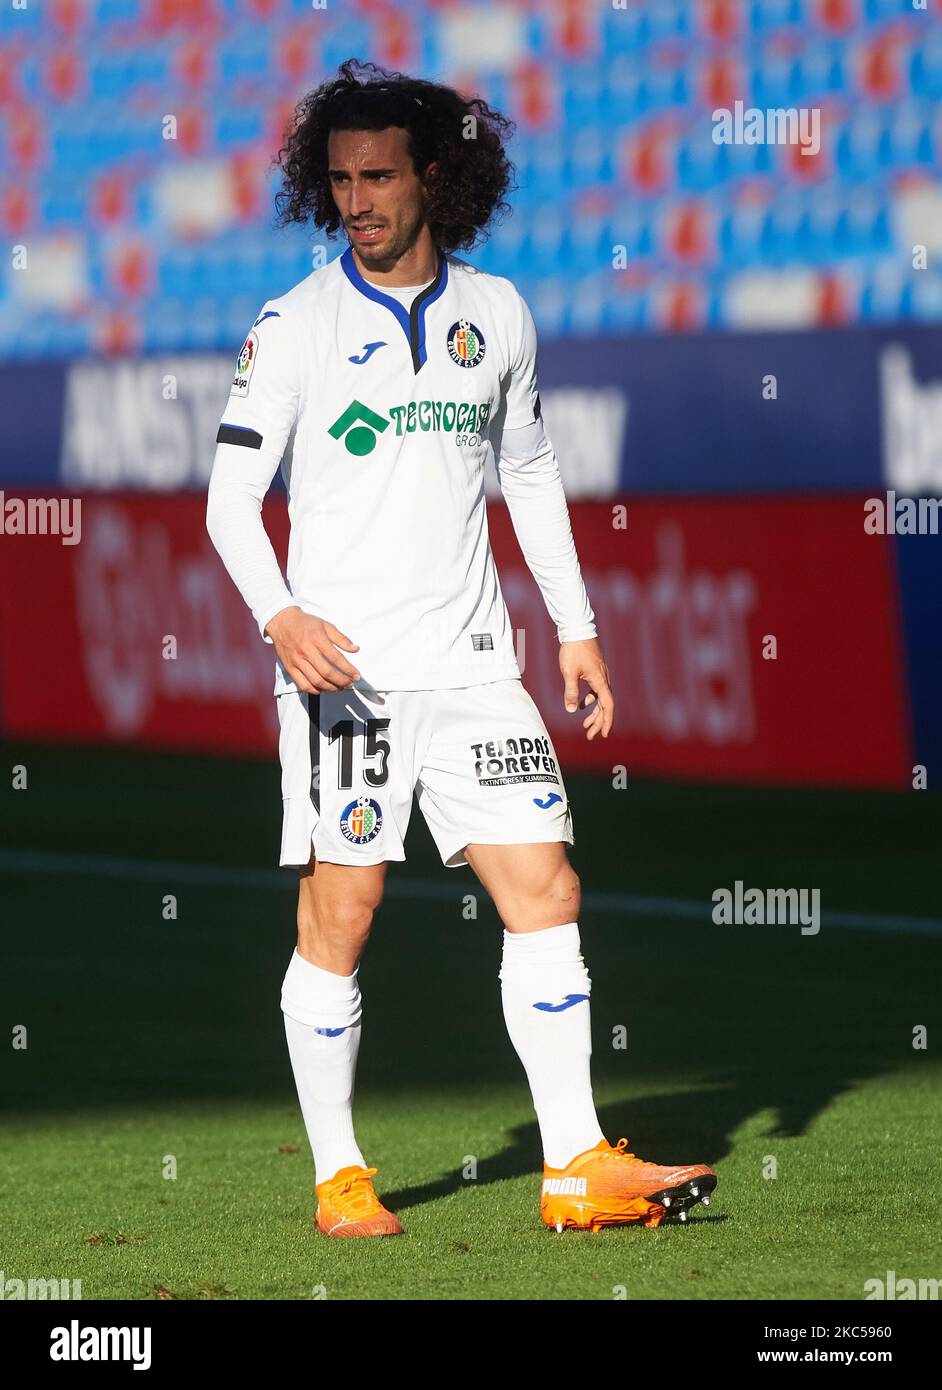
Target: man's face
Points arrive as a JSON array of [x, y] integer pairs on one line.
[[377, 192]]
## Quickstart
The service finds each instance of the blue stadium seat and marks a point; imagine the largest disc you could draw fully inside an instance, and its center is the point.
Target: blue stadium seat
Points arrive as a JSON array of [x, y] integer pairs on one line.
[[83, 147]]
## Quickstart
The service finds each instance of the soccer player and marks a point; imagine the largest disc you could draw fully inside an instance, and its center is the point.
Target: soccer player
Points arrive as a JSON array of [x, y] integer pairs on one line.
[[380, 383]]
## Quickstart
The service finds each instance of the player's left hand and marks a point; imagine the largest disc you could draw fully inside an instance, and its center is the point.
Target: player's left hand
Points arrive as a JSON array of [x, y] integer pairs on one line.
[[584, 661]]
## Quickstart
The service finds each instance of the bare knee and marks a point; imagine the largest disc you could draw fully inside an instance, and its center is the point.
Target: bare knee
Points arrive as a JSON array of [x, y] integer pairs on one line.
[[552, 888], [564, 896], [338, 922], [549, 897], [548, 902], [336, 904]]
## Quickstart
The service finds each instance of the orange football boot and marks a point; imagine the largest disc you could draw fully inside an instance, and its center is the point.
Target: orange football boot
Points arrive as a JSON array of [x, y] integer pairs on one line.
[[348, 1206], [608, 1186]]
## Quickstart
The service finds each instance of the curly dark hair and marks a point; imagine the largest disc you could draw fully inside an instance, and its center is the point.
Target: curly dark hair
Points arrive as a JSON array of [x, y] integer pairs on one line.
[[466, 190]]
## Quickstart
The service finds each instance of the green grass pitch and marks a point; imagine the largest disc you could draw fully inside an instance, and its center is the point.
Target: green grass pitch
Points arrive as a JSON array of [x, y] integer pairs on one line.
[[150, 1038]]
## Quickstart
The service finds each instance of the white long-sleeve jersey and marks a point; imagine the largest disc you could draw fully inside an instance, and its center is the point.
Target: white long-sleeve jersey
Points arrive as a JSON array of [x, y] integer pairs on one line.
[[381, 414]]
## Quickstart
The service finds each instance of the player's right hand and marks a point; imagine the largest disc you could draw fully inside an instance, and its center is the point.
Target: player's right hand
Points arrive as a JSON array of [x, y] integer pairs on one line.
[[307, 648]]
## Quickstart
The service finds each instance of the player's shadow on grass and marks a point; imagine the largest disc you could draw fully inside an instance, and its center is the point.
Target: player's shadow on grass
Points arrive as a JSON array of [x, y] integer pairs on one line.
[[692, 1126], [665, 1140], [773, 1035], [763, 1031], [766, 1032]]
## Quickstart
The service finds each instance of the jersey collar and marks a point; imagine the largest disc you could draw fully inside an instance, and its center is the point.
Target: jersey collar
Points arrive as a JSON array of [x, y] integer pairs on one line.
[[411, 321]]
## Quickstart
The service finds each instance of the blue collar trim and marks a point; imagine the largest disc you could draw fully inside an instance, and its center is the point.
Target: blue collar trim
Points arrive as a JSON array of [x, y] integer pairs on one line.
[[412, 322]]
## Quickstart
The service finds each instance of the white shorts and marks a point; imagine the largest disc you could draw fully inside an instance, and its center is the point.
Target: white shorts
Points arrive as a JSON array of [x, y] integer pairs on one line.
[[478, 758]]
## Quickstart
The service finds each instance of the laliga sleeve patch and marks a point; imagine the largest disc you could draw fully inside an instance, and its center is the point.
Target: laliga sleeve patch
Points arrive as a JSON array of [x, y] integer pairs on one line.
[[245, 366]]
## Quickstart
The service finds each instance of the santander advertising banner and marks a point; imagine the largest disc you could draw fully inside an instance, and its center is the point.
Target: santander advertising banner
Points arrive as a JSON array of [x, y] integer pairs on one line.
[[747, 639]]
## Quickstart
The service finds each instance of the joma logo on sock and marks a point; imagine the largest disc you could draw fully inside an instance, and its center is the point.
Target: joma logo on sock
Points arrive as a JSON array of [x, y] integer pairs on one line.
[[566, 1004], [564, 1187]]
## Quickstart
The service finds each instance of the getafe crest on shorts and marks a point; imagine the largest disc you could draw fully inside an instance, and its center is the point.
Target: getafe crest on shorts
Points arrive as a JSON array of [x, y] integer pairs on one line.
[[361, 821], [245, 366], [465, 343]]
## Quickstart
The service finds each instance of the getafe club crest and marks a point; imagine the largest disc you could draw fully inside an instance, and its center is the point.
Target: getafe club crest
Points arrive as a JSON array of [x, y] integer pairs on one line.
[[361, 821], [465, 344], [244, 366]]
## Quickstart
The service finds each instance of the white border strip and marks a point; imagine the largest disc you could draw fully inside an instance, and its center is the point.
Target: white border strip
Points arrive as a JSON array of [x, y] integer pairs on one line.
[[27, 861]]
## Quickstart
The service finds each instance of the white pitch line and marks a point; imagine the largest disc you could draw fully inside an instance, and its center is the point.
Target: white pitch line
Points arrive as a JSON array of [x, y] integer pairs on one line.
[[28, 861]]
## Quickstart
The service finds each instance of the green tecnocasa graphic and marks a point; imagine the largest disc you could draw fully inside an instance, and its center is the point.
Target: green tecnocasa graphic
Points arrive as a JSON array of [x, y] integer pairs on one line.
[[359, 426]]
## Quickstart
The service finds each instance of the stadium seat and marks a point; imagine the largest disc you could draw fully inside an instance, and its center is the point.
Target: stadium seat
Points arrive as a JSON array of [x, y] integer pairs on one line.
[[613, 147]]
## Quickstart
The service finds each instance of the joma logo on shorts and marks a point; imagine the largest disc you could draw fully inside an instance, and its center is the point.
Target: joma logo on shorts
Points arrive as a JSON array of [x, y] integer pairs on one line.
[[564, 1187]]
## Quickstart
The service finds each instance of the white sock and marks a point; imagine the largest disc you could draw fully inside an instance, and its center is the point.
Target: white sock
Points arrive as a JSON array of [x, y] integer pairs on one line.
[[554, 1045], [316, 1002]]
